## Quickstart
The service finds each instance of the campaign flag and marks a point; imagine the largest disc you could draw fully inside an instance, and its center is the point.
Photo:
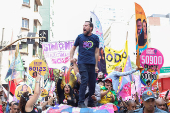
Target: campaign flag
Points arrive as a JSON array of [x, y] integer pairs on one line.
[[62, 108], [141, 32], [30, 81], [51, 74], [129, 78], [116, 58], [97, 30], [16, 69], [47, 85], [57, 54], [126, 91], [137, 84]]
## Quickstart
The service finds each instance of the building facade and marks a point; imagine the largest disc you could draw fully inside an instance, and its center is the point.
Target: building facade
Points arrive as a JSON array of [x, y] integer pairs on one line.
[[159, 37], [47, 13], [23, 18]]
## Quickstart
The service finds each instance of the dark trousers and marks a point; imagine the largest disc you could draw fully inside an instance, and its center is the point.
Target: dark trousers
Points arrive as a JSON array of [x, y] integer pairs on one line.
[[87, 72]]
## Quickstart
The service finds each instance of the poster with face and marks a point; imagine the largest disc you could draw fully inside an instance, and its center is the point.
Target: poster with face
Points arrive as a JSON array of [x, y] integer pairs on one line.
[[141, 32], [97, 30], [151, 60], [21, 89]]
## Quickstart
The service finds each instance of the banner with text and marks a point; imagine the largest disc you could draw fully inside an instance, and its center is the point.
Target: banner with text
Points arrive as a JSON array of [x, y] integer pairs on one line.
[[151, 60], [57, 54], [116, 58], [141, 32], [98, 31]]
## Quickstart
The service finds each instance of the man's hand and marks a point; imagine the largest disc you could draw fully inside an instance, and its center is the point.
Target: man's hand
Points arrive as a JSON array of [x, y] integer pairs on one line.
[[96, 69], [71, 60], [69, 98], [94, 97], [137, 68], [112, 97], [61, 74], [109, 89], [74, 60], [38, 78]]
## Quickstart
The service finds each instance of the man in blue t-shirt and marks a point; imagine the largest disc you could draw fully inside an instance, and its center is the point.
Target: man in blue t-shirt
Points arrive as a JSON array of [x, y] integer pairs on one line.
[[87, 61]]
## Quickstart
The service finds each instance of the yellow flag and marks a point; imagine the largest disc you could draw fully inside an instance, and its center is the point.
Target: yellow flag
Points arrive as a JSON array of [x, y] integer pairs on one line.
[[116, 58]]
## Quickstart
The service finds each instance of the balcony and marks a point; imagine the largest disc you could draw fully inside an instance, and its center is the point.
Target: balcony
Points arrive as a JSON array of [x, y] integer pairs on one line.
[[39, 2]]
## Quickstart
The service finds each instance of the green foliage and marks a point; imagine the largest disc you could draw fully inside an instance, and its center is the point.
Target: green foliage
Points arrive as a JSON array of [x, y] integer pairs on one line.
[[133, 65], [56, 74]]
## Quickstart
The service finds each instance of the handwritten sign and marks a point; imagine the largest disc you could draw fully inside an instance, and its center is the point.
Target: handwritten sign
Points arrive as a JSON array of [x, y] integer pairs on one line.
[[37, 66], [21, 89], [57, 54]]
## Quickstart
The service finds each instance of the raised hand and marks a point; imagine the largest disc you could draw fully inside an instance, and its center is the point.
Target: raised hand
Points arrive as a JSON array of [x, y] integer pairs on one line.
[[94, 97], [96, 69], [61, 74]]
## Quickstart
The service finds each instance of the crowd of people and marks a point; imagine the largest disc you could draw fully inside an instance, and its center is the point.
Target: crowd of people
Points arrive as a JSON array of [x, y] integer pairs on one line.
[[91, 88]]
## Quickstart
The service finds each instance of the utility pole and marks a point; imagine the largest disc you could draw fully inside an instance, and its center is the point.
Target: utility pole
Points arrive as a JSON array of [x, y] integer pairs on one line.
[[1, 57]]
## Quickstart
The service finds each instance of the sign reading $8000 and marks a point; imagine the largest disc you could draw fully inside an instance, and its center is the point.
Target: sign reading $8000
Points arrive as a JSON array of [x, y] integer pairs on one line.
[[37, 66]]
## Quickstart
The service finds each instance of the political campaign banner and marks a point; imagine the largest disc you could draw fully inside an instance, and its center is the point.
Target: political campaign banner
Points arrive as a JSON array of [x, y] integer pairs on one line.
[[116, 58], [151, 60], [141, 32], [97, 30], [37, 66], [16, 69], [20, 89], [57, 54], [126, 91], [62, 108]]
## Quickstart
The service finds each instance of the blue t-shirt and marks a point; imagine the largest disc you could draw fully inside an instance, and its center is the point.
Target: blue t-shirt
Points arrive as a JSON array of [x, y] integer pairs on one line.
[[87, 46]]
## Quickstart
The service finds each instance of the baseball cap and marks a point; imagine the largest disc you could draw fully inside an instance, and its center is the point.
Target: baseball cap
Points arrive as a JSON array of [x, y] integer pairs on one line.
[[148, 94], [109, 79]]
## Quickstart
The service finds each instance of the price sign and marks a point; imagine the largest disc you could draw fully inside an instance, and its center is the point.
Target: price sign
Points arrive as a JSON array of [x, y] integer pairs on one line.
[[151, 60], [37, 66]]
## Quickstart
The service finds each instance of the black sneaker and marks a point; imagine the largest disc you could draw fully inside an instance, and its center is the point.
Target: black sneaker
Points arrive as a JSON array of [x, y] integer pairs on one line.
[[82, 106], [91, 105]]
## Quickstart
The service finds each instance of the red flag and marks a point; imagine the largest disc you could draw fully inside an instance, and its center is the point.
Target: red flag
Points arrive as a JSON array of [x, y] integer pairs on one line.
[[14, 84], [13, 87]]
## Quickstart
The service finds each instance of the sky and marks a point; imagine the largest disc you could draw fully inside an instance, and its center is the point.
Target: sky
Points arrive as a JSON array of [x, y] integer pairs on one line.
[[71, 14]]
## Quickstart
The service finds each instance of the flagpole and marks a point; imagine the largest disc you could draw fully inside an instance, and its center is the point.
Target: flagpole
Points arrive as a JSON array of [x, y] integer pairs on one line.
[[11, 77], [127, 35], [1, 57]]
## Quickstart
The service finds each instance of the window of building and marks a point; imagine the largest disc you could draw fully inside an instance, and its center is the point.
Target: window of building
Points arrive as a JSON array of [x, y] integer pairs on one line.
[[25, 23], [35, 7], [26, 2], [34, 49], [35, 26]]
